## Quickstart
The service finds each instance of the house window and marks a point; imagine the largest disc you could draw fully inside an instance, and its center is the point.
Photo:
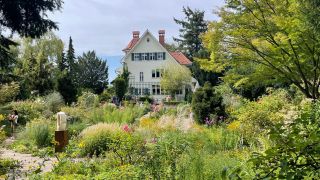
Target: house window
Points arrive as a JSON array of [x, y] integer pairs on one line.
[[141, 76], [144, 56], [179, 91], [156, 90], [153, 73], [160, 56], [157, 73], [151, 56], [136, 56]]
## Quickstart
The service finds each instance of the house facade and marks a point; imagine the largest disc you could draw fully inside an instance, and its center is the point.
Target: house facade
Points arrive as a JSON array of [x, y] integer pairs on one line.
[[146, 57]]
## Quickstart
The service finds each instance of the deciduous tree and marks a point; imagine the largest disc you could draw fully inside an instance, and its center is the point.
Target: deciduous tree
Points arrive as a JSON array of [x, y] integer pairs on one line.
[[175, 78], [27, 18], [272, 40]]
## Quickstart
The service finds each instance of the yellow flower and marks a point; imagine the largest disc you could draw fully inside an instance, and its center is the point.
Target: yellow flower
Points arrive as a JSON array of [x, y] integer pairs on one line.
[[1, 117], [81, 144], [234, 125]]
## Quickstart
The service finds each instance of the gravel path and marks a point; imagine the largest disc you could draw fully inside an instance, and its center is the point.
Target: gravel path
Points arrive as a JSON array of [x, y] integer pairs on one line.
[[27, 162]]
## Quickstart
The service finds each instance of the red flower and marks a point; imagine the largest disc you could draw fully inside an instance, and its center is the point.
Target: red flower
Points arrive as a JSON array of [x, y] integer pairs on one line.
[[126, 128]]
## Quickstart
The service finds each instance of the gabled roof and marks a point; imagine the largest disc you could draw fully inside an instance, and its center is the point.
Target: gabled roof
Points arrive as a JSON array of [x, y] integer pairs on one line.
[[178, 56], [181, 58], [131, 44]]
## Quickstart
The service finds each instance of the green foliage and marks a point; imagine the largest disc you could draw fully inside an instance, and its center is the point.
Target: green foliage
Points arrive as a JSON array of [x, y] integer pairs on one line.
[[206, 101], [67, 89], [91, 72], [125, 75], [190, 43], [88, 100], [26, 19], [192, 27], [39, 132], [102, 138], [175, 78], [65, 83], [107, 94], [54, 102], [120, 87], [146, 99], [6, 165], [112, 114], [8, 92], [66, 75], [121, 172], [256, 117], [97, 139], [2, 136], [28, 110], [295, 154], [70, 58], [259, 45], [35, 65]]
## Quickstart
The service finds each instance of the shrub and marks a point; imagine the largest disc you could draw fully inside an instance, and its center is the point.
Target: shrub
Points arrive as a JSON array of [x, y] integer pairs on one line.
[[105, 96], [8, 92], [295, 154], [88, 100], [39, 132], [122, 172], [110, 114], [96, 139], [206, 101], [146, 98], [122, 143], [76, 114], [6, 165], [54, 101], [257, 116], [120, 87], [28, 110]]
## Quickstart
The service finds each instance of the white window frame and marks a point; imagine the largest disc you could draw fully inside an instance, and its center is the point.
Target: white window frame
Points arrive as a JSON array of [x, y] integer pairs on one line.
[[144, 56], [159, 56], [151, 56], [136, 56], [141, 77]]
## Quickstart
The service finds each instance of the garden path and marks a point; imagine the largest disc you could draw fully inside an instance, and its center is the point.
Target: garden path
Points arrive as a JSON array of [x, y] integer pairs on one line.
[[27, 162]]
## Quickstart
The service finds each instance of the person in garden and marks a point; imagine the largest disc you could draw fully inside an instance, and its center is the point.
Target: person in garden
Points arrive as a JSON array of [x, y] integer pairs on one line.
[[13, 118]]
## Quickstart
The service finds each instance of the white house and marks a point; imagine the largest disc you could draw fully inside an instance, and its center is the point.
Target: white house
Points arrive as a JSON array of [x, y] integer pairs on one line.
[[145, 57]]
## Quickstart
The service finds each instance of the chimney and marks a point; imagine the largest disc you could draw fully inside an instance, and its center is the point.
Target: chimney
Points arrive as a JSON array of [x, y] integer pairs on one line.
[[135, 34], [161, 37]]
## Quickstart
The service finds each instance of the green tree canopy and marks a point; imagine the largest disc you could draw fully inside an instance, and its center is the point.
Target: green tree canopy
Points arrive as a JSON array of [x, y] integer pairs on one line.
[[36, 63], [27, 18], [174, 78], [270, 40], [120, 87], [190, 43], [91, 72]]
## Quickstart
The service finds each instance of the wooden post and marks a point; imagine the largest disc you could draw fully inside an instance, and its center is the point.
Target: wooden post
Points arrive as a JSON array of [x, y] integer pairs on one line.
[[61, 138]]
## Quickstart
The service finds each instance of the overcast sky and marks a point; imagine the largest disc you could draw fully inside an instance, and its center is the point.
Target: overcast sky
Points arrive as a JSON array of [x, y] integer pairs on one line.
[[106, 25]]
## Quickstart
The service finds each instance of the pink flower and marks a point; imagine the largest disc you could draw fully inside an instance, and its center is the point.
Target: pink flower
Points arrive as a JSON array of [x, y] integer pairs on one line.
[[126, 128]]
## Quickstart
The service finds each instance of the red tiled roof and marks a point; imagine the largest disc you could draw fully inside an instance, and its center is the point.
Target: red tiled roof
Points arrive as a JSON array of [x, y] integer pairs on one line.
[[181, 58], [131, 44]]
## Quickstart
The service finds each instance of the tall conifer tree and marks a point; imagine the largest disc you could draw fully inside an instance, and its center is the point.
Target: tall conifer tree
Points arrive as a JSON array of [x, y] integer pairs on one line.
[[193, 26]]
